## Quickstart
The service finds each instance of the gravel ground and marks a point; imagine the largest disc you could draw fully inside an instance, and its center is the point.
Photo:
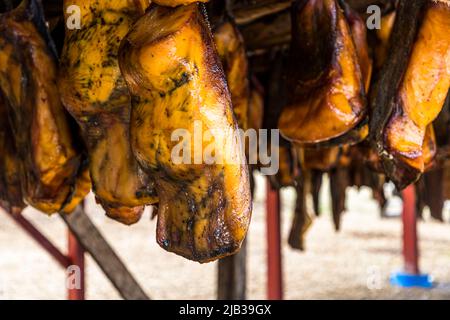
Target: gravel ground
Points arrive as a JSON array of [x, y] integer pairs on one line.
[[354, 264]]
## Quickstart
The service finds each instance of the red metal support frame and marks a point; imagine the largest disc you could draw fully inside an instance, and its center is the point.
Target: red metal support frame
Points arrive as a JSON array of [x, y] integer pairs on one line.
[[410, 276], [274, 263], [76, 257], [40, 239], [410, 241], [85, 237], [75, 254]]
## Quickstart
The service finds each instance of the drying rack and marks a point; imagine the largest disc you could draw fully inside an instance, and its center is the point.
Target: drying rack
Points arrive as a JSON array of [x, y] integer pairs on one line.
[[84, 237]]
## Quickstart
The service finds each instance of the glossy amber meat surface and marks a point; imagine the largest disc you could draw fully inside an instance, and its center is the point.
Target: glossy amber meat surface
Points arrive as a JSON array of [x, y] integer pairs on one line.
[[319, 158], [422, 93], [326, 96], [94, 92], [10, 186], [50, 163], [231, 50], [359, 34], [174, 75], [81, 188]]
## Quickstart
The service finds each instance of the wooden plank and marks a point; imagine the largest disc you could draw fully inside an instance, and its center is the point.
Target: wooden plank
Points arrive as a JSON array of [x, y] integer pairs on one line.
[[232, 276], [251, 12], [94, 243], [267, 33]]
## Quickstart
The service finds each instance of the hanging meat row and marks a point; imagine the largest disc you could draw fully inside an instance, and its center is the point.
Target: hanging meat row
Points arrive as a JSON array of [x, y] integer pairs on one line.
[[94, 107]]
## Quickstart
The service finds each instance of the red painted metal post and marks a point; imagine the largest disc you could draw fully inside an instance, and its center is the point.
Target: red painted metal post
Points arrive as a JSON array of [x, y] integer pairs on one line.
[[274, 266], [410, 242], [34, 233], [75, 254], [76, 257]]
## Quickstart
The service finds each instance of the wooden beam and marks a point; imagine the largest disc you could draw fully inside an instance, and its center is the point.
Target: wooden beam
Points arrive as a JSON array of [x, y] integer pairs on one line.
[[244, 14], [53, 8], [274, 255], [232, 276], [94, 243], [267, 33]]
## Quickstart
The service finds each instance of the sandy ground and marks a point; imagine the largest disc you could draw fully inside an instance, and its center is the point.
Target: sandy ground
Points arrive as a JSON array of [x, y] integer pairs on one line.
[[354, 264]]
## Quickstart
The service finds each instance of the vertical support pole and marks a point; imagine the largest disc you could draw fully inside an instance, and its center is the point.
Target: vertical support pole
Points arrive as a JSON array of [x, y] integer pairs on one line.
[[232, 276], [76, 257], [274, 267], [40, 239], [410, 276], [101, 252], [410, 243]]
